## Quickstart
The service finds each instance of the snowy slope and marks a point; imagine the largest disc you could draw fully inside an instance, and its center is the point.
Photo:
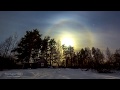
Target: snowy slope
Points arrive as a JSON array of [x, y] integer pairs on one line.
[[45, 73]]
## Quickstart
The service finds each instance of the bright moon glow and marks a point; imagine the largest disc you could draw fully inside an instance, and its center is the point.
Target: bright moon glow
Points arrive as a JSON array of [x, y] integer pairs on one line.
[[67, 42]]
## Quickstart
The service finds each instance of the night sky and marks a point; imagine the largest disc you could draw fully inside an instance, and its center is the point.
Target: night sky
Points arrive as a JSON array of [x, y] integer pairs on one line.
[[100, 29]]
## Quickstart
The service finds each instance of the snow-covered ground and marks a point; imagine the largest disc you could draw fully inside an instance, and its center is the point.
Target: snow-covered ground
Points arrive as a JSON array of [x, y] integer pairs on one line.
[[61, 73]]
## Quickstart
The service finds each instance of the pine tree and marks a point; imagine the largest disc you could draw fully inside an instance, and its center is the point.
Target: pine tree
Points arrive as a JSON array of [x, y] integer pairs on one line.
[[28, 46]]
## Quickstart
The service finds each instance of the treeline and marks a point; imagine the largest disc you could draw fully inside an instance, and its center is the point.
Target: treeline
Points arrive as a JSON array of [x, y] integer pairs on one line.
[[33, 48], [29, 51], [93, 59]]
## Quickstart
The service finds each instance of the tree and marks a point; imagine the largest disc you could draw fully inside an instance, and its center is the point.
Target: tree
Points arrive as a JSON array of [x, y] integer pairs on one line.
[[65, 55], [52, 50], [28, 46], [117, 59], [110, 59], [82, 58], [108, 54], [44, 53], [71, 55], [5, 47], [6, 59], [68, 53], [78, 58], [75, 60], [88, 58], [98, 58], [14, 43], [58, 53]]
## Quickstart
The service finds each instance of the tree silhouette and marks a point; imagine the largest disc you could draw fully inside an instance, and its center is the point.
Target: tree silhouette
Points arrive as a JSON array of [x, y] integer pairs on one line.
[[52, 50], [110, 59], [6, 58], [78, 59], [28, 46], [98, 58], [65, 55], [58, 53], [71, 54], [88, 58], [5, 47], [117, 59], [82, 57], [32, 48], [68, 53], [45, 48]]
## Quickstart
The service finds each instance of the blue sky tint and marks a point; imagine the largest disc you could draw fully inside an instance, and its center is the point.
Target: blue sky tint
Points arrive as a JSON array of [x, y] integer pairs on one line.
[[89, 28]]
